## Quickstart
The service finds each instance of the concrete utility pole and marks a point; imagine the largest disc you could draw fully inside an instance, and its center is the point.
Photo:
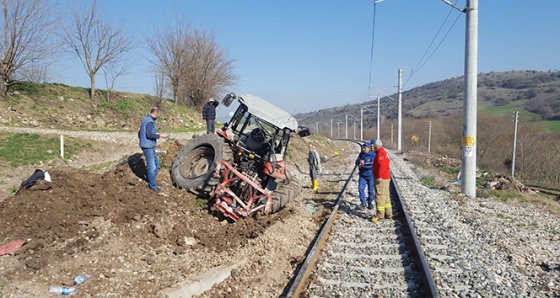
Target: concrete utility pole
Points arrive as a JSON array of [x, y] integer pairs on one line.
[[331, 128], [399, 132], [346, 125], [361, 123], [317, 128], [468, 170], [516, 116], [429, 135]]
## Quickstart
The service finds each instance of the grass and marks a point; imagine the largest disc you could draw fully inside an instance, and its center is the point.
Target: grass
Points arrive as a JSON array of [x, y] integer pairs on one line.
[[201, 203], [18, 149], [429, 181]]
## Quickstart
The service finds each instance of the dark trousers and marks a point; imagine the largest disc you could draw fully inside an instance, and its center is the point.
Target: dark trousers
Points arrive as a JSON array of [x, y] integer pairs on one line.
[[362, 182], [210, 126]]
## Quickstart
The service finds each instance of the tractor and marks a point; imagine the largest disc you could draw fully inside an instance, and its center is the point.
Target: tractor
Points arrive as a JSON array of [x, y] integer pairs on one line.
[[243, 165]]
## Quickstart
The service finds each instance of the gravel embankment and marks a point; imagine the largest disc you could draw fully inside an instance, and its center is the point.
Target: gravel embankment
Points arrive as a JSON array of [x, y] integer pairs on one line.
[[490, 248]]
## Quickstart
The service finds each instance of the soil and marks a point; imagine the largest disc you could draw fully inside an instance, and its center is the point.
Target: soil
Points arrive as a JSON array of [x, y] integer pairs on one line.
[[135, 243]]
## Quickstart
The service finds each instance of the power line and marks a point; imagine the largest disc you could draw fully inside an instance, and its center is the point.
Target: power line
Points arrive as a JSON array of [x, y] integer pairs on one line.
[[420, 64], [372, 44]]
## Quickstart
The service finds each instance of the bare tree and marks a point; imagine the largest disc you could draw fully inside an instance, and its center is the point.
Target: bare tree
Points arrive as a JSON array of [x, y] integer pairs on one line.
[[160, 83], [27, 36], [33, 72], [95, 40], [191, 61], [211, 71], [169, 47], [113, 70]]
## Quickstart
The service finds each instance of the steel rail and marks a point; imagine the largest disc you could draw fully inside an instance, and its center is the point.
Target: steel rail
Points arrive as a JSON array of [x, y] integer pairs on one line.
[[429, 285], [305, 270], [299, 284]]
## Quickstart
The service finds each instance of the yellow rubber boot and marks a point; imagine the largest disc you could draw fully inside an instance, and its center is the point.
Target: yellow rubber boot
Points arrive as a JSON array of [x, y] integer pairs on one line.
[[315, 184]]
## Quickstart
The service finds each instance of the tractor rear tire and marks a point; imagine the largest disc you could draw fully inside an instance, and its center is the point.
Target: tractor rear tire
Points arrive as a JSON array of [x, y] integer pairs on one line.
[[194, 166], [285, 194]]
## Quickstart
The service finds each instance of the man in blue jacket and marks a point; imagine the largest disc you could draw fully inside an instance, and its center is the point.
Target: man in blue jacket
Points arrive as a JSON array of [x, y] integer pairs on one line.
[[148, 140], [209, 114], [364, 163]]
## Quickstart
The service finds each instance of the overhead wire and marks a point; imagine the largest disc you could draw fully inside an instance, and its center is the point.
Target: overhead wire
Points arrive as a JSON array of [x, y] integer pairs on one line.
[[372, 47], [421, 63]]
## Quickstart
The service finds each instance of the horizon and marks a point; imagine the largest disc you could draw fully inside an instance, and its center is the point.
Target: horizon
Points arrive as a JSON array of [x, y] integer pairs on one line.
[[304, 57]]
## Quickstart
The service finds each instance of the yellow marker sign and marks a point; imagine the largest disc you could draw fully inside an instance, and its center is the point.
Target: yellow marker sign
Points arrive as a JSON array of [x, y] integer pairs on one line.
[[468, 141]]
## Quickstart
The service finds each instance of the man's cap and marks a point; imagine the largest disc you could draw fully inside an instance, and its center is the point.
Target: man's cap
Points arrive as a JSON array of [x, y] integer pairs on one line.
[[372, 142], [366, 144], [210, 99]]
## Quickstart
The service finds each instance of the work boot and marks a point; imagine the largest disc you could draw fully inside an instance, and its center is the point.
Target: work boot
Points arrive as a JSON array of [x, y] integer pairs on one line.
[[157, 190], [370, 205], [360, 207], [375, 219], [315, 184]]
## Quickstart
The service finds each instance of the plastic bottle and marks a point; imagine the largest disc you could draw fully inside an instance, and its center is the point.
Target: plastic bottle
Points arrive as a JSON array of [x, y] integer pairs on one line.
[[63, 291], [80, 279]]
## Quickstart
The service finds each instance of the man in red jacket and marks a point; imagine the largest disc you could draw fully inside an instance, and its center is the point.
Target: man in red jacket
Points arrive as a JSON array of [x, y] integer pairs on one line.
[[382, 177]]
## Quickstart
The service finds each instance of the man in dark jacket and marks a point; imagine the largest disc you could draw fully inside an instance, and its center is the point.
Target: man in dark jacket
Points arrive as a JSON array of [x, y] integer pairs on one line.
[[364, 163], [209, 114], [148, 140]]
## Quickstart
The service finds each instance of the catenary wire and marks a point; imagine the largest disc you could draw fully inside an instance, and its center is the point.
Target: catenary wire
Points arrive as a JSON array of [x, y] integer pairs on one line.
[[371, 51], [421, 64]]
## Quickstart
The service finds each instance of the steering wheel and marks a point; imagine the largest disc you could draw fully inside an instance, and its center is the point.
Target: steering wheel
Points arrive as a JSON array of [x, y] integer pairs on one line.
[[258, 135]]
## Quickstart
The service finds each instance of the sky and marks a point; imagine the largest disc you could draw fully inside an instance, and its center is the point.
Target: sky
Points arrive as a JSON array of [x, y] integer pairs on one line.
[[304, 55]]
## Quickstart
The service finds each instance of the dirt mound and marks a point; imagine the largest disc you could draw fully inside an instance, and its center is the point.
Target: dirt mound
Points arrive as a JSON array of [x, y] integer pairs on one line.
[[80, 212]]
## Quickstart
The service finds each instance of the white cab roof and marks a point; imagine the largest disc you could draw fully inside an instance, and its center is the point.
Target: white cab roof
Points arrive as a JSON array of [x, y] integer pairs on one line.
[[268, 112]]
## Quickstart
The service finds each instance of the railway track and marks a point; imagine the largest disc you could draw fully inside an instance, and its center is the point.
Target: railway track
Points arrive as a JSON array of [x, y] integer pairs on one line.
[[354, 257]]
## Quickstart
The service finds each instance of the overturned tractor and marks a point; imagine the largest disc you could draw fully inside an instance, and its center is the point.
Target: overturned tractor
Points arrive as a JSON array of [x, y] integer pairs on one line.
[[243, 165]]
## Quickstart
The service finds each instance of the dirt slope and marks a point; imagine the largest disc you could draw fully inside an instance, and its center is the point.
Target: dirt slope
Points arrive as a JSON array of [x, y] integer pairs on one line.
[[133, 242]]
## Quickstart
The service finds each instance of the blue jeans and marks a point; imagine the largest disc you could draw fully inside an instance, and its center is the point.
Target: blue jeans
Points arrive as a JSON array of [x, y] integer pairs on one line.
[[362, 181], [152, 166], [210, 126]]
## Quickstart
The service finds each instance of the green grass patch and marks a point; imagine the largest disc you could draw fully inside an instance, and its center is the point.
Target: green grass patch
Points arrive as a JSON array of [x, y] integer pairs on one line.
[[429, 181], [501, 195], [31, 89], [553, 126], [29, 149], [509, 109], [201, 203]]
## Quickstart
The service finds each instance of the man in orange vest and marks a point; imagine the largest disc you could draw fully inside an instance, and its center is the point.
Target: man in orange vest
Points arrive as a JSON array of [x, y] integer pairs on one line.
[[382, 177]]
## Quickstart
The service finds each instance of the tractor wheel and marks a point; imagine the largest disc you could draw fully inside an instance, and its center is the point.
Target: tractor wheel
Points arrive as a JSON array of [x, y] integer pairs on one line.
[[285, 194], [193, 167]]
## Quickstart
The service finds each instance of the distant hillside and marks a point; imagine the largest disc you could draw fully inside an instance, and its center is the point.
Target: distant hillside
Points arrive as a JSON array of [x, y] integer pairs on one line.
[[532, 91]]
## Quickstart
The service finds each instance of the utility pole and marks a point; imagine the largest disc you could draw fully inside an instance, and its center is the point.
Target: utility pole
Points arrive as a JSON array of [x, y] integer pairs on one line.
[[317, 128], [361, 123], [468, 170], [392, 141], [378, 115], [346, 125], [331, 128], [399, 117], [429, 135], [516, 116]]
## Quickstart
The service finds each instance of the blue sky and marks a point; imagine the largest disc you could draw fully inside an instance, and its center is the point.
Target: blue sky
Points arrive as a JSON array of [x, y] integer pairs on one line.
[[305, 55]]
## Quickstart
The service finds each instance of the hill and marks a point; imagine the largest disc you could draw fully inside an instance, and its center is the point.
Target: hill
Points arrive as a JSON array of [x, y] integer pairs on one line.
[[532, 91]]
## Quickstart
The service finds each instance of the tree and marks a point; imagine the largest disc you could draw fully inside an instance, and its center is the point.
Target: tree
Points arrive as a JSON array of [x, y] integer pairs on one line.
[[210, 72], [191, 61], [112, 71], [95, 40], [169, 47], [26, 38]]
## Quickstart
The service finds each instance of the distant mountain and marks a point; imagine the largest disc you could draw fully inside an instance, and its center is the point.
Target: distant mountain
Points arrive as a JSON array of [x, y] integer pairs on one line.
[[533, 91]]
